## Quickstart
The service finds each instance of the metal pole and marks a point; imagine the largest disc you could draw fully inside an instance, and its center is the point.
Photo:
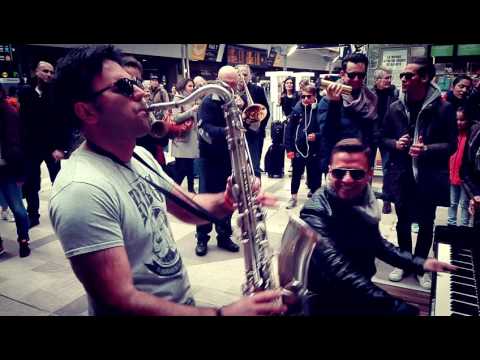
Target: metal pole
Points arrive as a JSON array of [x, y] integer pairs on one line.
[[187, 61]]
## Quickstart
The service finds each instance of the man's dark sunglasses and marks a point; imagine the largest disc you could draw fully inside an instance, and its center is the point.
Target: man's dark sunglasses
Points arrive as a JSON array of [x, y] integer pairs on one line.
[[356, 174], [407, 75], [360, 75], [123, 86], [306, 96]]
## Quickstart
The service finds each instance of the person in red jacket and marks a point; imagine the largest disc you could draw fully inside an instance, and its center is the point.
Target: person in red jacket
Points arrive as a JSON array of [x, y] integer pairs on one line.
[[457, 192]]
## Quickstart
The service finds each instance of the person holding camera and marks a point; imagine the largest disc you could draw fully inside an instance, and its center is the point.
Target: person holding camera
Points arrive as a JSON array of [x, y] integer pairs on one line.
[[420, 133], [302, 139]]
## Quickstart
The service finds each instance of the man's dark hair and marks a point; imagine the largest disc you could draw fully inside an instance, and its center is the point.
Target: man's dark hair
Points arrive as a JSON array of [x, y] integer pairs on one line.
[[426, 67], [130, 61], [351, 145], [311, 89], [355, 58], [74, 76], [460, 78]]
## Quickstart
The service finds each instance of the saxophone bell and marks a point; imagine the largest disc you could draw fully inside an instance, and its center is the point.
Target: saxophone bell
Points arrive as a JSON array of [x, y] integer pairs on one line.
[[158, 128]]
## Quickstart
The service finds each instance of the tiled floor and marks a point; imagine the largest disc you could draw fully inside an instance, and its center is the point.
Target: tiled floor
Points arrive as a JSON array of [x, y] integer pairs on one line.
[[44, 284]]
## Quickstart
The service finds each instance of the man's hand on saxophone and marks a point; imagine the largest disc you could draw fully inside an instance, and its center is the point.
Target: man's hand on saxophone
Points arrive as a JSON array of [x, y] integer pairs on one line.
[[263, 198], [261, 303]]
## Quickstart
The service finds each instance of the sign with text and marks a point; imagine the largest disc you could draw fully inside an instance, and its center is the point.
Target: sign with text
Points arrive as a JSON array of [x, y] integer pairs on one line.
[[468, 49], [395, 60], [240, 55]]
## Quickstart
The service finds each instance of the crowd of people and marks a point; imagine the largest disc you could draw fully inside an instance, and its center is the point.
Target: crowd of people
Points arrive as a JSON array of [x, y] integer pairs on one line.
[[118, 238]]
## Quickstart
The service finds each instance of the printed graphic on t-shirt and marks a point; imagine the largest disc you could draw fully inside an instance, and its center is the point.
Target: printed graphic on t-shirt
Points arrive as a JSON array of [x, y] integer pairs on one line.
[[165, 260]]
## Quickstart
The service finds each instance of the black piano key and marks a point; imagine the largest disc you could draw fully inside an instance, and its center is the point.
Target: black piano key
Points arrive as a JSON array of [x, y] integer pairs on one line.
[[468, 266], [455, 314], [465, 298], [463, 289], [462, 280], [463, 258], [464, 308], [463, 272]]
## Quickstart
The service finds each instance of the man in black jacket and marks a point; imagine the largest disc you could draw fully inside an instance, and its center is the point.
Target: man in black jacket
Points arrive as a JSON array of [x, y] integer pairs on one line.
[[255, 138], [215, 167], [46, 137], [386, 95], [346, 215], [420, 133]]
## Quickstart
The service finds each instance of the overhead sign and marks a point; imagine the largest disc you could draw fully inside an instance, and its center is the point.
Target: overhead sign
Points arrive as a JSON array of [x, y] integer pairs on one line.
[[395, 60], [442, 50], [468, 49]]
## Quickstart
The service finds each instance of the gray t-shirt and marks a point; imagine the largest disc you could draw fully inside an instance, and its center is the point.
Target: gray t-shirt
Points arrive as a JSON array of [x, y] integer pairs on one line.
[[98, 204]]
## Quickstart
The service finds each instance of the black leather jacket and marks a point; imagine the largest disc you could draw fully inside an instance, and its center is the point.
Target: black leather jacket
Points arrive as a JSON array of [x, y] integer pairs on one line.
[[343, 263]]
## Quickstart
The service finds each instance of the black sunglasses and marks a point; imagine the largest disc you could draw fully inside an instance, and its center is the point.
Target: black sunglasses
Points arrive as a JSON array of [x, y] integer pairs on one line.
[[306, 96], [356, 174], [123, 86], [407, 75], [360, 75]]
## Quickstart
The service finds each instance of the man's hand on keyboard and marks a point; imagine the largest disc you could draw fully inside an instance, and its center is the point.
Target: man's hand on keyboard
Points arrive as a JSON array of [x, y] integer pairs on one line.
[[438, 266]]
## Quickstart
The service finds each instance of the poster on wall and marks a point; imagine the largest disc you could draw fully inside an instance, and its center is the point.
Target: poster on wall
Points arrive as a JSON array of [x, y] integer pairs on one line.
[[198, 51], [395, 60]]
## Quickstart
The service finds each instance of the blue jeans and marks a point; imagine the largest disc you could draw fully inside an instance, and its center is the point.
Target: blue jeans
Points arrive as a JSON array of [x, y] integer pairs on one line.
[[13, 197], [3, 201], [458, 197]]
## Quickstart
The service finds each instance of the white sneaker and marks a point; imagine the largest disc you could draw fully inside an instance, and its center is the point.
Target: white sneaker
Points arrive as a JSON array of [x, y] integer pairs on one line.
[[291, 203], [415, 228], [7, 215], [396, 275], [425, 281]]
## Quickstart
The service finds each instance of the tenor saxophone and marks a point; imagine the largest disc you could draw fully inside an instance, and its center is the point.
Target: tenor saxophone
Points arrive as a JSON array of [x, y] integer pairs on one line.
[[250, 230]]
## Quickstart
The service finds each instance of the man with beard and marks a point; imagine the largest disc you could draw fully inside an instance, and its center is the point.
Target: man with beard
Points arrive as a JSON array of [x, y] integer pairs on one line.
[[420, 132]]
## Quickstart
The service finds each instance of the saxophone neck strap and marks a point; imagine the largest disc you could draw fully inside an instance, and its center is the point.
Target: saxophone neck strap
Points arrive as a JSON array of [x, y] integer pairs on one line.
[[191, 206]]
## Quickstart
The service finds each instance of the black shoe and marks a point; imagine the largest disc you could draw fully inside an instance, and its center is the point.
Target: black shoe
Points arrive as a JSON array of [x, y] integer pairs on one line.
[[24, 248], [228, 245], [2, 250], [201, 249]]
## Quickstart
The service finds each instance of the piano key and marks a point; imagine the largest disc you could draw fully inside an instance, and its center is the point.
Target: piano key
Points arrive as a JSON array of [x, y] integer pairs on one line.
[[463, 265], [458, 306], [463, 272], [443, 283], [463, 289], [462, 280], [464, 298], [464, 258]]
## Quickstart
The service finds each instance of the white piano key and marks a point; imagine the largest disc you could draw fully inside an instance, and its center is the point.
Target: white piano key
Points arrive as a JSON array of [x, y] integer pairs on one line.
[[442, 293]]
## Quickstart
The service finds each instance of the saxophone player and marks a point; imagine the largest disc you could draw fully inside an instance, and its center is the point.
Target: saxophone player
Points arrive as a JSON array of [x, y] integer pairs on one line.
[[118, 238]]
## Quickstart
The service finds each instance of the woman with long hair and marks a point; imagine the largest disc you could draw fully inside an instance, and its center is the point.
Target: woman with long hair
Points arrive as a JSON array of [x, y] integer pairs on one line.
[[185, 143], [289, 97]]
